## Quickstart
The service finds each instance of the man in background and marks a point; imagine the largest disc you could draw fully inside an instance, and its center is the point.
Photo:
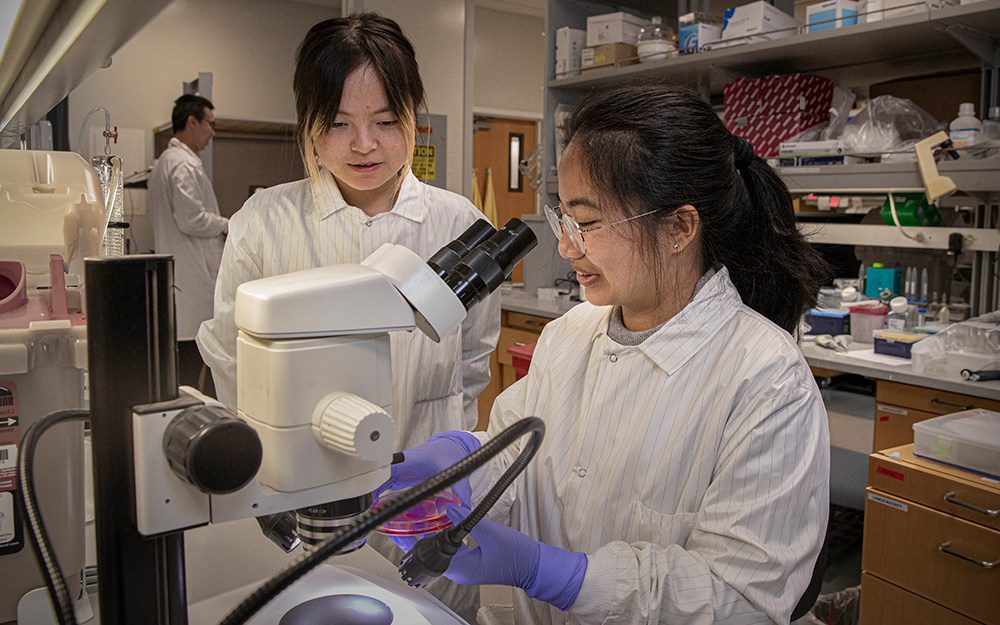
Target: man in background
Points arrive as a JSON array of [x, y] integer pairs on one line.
[[187, 225]]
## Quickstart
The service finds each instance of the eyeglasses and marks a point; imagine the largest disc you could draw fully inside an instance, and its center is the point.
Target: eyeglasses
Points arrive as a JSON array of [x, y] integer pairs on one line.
[[209, 122], [566, 222]]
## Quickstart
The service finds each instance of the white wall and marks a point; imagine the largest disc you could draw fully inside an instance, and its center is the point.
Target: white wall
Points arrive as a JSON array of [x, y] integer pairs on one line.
[[437, 30], [509, 61], [248, 45]]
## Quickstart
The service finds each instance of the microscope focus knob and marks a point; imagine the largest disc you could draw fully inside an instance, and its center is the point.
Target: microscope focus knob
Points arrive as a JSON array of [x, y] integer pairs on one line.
[[209, 447], [354, 426]]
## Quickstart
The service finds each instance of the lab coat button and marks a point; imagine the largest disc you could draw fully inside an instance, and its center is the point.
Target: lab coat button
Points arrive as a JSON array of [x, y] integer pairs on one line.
[[582, 473], [613, 358], [369, 223]]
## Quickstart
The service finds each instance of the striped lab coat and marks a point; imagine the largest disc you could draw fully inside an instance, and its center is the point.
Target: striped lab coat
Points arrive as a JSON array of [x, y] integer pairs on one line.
[[306, 224], [693, 469]]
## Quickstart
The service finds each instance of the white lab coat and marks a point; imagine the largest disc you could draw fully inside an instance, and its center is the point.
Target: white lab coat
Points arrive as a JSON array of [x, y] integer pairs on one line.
[[306, 224], [692, 469], [187, 225]]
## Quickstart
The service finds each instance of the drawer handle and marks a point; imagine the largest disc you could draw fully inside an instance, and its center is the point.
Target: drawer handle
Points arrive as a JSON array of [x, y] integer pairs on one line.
[[532, 322], [938, 402], [950, 498], [944, 547]]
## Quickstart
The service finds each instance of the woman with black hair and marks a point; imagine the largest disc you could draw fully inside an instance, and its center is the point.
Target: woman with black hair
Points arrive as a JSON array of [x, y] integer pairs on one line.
[[684, 473], [357, 94]]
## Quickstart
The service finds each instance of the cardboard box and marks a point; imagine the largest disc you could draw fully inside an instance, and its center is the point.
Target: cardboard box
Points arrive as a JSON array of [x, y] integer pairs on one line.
[[569, 46], [789, 93], [811, 148], [795, 93], [758, 21], [694, 36], [618, 27], [766, 132], [831, 14], [609, 55]]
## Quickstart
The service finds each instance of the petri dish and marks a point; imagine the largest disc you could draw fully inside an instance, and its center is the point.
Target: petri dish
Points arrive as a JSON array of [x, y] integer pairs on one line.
[[426, 517]]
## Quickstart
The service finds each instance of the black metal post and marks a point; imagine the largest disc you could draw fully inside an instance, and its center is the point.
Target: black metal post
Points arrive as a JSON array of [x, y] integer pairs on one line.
[[132, 360]]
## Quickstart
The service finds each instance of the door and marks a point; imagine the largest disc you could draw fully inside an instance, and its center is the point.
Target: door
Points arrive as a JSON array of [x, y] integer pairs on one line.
[[499, 144]]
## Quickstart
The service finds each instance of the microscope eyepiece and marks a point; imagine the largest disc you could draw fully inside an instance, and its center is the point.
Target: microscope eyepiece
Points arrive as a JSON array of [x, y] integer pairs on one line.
[[484, 269], [445, 259]]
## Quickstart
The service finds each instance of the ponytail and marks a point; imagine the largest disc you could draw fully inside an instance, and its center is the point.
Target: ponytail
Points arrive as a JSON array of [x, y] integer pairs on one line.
[[776, 271]]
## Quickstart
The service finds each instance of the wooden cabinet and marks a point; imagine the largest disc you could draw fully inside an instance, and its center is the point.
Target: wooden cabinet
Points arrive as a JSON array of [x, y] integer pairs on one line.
[[899, 406], [515, 329], [932, 539]]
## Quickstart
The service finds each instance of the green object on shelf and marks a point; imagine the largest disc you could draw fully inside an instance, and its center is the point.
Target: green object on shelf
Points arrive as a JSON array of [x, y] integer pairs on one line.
[[912, 209]]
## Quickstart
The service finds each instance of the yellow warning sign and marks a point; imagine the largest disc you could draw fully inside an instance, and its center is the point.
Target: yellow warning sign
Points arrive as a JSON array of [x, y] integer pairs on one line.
[[423, 162]]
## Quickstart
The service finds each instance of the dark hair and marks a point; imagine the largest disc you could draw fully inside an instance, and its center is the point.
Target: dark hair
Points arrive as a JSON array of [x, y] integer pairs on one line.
[[186, 106], [662, 146], [332, 50]]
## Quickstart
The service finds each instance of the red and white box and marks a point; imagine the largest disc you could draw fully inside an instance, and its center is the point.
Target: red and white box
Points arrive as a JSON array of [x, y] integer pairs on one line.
[[766, 132], [768, 111], [796, 93]]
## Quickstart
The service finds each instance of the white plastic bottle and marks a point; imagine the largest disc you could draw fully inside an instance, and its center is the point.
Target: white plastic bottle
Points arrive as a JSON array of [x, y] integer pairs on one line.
[[896, 319], [966, 128]]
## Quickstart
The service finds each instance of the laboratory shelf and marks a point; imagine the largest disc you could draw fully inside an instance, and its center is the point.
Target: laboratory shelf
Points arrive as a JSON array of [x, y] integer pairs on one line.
[[852, 56], [970, 175]]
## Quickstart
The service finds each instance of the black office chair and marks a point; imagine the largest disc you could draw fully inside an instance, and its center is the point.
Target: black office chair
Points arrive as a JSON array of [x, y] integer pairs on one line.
[[808, 599]]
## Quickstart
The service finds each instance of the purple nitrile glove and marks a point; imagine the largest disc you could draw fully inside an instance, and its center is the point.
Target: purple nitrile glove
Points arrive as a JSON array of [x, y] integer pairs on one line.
[[422, 461], [507, 557]]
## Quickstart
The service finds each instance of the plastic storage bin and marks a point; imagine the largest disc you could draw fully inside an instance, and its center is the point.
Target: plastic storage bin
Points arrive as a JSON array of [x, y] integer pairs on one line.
[[896, 344], [824, 321], [968, 440], [521, 357], [865, 320]]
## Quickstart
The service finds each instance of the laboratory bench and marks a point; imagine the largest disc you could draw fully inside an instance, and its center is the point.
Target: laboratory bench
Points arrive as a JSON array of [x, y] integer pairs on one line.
[[859, 424]]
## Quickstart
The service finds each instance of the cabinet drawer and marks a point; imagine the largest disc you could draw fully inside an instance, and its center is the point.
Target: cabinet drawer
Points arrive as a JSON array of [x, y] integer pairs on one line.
[[894, 425], [509, 337], [531, 323], [885, 604], [902, 541], [929, 400], [970, 496]]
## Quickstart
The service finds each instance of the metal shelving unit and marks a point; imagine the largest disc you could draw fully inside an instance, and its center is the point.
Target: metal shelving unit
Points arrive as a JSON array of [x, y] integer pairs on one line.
[[931, 41]]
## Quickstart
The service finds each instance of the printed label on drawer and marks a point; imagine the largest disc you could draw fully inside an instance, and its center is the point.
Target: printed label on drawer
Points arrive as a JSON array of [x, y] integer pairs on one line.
[[891, 409], [895, 474], [888, 502]]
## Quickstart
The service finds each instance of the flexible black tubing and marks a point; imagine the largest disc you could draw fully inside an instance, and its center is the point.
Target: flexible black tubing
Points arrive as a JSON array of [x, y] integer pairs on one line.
[[409, 498], [36, 527]]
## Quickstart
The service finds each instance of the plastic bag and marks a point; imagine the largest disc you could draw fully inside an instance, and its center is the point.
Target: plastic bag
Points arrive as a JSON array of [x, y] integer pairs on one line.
[[886, 125], [840, 112], [839, 608], [973, 345]]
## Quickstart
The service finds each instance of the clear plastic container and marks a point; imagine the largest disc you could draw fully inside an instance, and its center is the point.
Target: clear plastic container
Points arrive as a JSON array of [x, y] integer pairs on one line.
[[656, 42], [865, 320], [968, 440], [427, 517]]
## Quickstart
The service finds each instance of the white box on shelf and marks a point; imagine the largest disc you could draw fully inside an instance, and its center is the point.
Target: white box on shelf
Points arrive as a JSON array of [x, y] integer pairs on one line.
[[811, 148], [618, 27], [694, 36], [758, 21], [831, 14], [569, 45]]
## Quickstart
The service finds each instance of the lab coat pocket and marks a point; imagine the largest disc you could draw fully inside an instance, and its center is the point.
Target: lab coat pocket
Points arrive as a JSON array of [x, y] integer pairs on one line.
[[659, 529]]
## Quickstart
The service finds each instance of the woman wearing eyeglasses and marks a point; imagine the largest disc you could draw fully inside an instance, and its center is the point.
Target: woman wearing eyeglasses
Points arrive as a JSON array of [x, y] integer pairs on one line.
[[683, 477]]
